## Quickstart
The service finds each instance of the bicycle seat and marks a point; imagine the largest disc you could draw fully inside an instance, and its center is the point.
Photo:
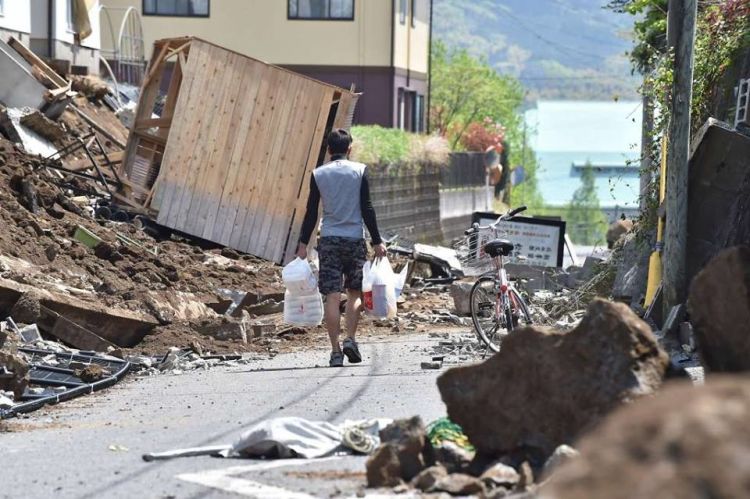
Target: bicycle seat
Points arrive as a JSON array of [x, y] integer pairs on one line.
[[499, 247]]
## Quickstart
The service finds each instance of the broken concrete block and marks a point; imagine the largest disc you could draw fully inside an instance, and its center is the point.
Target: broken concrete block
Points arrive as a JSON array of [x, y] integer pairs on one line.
[[72, 333], [460, 292], [6, 402], [685, 442], [546, 386], [44, 126], [500, 475], [224, 328], [632, 262], [719, 306], [14, 374]]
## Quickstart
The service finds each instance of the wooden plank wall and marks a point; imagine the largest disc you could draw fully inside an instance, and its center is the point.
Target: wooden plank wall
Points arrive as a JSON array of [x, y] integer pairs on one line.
[[243, 138]]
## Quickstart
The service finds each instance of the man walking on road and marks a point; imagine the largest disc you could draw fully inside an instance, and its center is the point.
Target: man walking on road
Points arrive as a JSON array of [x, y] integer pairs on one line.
[[344, 189]]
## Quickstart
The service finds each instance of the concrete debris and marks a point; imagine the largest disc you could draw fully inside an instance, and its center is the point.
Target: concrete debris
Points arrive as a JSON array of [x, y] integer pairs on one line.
[[719, 306], [43, 126], [546, 386], [428, 478], [6, 401], [14, 373], [460, 292], [502, 475], [632, 261], [92, 373], [403, 454], [685, 442]]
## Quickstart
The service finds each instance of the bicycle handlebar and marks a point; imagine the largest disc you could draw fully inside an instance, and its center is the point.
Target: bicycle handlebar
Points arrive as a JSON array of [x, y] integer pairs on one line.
[[475, 227]]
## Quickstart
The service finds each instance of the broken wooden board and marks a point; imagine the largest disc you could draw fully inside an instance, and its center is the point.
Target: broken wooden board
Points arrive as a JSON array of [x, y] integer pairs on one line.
[[229, 159]]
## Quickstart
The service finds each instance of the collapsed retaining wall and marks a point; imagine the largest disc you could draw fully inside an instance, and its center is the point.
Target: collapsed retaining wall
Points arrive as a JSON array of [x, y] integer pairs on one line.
[[718, 193]]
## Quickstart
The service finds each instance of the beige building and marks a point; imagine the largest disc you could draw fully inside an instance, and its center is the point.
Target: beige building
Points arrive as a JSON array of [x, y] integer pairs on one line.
[[380, 46], [47, 27]]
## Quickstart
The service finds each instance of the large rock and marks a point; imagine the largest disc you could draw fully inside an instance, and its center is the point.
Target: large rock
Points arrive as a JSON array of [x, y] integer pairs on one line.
[[687, 442], [546, 386], [719, 306]]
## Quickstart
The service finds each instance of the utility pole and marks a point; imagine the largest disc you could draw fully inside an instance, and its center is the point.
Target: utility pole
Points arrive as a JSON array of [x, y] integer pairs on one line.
[[681, 39]]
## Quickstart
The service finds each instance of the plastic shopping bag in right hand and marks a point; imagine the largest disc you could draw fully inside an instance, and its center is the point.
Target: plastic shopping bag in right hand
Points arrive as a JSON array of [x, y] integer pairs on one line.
[[378, 287]]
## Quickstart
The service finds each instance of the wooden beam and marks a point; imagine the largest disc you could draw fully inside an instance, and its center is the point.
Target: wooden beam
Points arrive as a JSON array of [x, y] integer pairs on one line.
[[34, 60], [153, 123]]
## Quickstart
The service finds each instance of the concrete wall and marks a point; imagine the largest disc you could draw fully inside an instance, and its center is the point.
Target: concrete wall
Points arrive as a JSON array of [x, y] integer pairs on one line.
[[16, 16], [18, 88], [407, 201], [260, 29]]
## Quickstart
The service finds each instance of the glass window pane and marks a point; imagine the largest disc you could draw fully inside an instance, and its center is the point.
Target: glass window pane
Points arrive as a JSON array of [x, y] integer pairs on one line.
[[200, 7], [313, 9], [293, 8], [402, 6], [149, 6], [342, 9]]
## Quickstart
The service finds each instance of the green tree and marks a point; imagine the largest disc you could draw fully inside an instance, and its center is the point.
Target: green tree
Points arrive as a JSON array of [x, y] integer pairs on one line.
[[465, 90], [586, 223]]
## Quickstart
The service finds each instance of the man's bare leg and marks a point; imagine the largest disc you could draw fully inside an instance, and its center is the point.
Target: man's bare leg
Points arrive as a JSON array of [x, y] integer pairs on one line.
[[333, 319], [353, 308]]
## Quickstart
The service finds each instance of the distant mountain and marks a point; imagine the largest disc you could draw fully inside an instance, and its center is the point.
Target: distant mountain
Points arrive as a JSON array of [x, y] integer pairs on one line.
[[566, 49]]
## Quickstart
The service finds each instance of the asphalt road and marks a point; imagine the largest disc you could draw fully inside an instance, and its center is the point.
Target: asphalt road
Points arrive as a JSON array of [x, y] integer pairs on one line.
[[92, 447]]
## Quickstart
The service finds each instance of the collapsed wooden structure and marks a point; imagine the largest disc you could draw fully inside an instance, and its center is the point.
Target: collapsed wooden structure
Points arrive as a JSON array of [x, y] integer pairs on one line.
[[230, 155]]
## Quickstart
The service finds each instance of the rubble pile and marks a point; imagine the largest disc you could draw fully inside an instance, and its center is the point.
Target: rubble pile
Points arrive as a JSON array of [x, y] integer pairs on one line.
[[408, 458]]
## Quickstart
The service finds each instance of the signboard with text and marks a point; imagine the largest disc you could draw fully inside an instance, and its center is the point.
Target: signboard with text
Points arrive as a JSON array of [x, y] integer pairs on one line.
[[539, 241]]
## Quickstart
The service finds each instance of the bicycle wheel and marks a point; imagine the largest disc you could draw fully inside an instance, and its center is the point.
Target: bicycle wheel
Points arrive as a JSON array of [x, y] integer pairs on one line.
[[487, 325]]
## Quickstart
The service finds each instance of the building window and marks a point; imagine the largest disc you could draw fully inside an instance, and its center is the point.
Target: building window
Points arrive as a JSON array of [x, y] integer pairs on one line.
[[2, 7], [69, 14], [403, 8], [419, 115], [339, 10], [177, 8], [414, 13]]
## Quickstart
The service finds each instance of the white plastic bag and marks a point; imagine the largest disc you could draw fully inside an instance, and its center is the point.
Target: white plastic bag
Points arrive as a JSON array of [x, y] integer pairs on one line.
[[383, 289], [400, 280], [299, 278], [303, 310]]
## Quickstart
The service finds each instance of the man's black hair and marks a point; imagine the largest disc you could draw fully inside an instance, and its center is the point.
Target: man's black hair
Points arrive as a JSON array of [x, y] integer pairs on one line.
[[339, 141]]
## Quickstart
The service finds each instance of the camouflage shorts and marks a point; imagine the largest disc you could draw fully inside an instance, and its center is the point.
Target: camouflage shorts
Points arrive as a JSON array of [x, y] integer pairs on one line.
[[341, 261]]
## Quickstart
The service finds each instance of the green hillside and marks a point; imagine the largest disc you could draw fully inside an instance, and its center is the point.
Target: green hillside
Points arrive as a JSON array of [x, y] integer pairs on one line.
[[570, 49]]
